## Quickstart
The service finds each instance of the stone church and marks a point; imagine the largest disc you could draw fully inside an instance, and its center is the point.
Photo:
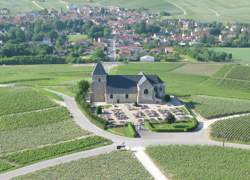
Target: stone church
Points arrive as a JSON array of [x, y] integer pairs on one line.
[[141, 88]]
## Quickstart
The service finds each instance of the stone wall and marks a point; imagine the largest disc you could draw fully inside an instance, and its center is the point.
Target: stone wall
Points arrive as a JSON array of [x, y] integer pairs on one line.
[[121, 98]]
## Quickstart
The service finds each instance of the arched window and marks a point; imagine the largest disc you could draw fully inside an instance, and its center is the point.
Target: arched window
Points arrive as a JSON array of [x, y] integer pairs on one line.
[[155, 88], [99, 79], [146, 91], [126, 96], [111, 96]]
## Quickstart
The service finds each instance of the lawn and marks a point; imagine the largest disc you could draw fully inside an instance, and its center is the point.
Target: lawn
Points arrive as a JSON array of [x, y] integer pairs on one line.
[[112, 166], [235, 130], [240, 55], [183, 126], [180, 162], [77, 37], [211, 107]]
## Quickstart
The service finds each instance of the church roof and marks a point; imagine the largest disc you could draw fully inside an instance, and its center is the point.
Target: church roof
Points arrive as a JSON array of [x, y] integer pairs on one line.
[[127, 84], [99, 69]]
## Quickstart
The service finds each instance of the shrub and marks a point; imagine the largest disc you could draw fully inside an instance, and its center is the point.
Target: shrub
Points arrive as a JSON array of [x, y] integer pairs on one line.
[[167, 98], [99, 110], [171, 118]]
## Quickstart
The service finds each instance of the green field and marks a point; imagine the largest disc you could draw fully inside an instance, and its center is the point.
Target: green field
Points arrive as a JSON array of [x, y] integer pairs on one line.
[[202, 69], [183, 84], [58, 77], [211, 107], [180, 162], [233, 130], [77, 38], [206, 10], [240, 55], [116, 165], [29, 120]]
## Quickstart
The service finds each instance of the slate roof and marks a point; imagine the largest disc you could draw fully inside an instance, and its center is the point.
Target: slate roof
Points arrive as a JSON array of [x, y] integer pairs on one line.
[[99, 69], [127, 84]]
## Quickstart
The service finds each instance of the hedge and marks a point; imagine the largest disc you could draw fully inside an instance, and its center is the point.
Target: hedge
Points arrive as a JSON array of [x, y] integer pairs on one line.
[[24, 60], [100, 122], [131, 130], [151, 127]]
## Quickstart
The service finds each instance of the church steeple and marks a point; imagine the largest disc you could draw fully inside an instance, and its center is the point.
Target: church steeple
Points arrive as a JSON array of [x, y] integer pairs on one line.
[[99, 69]]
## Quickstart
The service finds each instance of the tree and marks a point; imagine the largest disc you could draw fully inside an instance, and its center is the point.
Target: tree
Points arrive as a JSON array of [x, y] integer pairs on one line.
[[83, 87], [99, 54]]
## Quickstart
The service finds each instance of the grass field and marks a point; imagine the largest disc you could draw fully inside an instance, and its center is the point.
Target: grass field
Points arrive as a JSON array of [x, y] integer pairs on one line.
[[211, 107], [58, 77], [240, 55], [206, 10], [234, 130], [201, 162], [116, 165]]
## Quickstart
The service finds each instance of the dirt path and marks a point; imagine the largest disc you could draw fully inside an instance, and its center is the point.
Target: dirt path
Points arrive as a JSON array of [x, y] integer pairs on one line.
[[215, 12], [37, 5], [148, 164], [179, 7]]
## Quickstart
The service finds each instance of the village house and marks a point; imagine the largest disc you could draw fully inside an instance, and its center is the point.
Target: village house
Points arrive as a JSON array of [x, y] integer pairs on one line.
[[141, 88]]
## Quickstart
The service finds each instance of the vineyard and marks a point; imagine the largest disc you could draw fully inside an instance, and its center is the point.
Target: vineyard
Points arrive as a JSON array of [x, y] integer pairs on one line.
[[115, 165], [18, 100], [233, 130], [29, 120], [240, 72], [201, 162], [211, 107]]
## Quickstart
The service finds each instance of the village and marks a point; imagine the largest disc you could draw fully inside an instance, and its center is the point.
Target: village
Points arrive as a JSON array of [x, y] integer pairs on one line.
[[130, 35]]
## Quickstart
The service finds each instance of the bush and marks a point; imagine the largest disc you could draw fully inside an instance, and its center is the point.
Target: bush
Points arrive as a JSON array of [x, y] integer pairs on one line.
[[171, 118], [167, 98], [99, 110]]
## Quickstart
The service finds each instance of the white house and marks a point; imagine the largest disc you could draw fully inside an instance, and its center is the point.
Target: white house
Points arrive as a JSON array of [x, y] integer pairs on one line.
[[147, 58]]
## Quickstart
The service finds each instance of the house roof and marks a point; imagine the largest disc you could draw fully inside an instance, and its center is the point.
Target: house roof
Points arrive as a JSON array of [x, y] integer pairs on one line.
[[99, 69], [121, 84]]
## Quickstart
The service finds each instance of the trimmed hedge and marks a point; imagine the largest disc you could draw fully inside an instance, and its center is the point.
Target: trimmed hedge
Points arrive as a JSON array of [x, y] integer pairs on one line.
[[100, 122], [131, 132], [151, 127]]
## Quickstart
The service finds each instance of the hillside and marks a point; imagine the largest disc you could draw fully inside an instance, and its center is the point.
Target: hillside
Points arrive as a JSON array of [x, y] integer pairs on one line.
[[206, 10]]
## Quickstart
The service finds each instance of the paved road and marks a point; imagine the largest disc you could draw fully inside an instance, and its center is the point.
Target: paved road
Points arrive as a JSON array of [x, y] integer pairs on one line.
[[57, 161], [147, 138]]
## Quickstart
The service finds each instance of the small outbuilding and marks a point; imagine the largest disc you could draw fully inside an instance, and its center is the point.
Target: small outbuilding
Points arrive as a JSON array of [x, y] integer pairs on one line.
[[147, 58]]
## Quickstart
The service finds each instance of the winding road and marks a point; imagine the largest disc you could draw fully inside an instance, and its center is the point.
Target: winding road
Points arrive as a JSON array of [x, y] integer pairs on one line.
[[200, 136]]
